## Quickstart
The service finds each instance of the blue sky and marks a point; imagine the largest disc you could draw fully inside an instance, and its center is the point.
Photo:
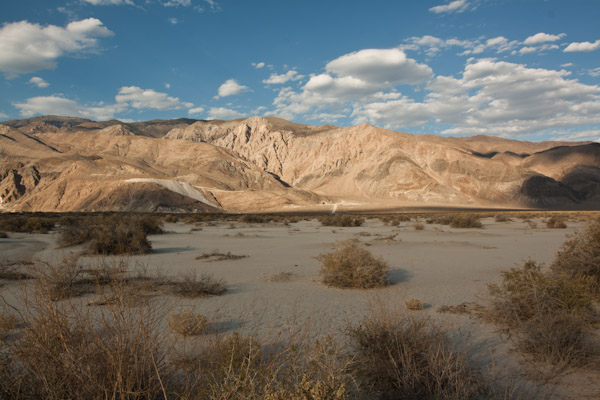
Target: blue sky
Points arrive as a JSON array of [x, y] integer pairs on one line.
[[524, 69]]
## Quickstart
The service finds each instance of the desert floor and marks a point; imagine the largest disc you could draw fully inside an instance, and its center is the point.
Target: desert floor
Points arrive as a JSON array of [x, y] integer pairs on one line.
[[439, 265]]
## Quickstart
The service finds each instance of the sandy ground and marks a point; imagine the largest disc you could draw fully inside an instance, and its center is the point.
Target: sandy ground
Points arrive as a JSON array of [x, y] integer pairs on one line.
[[438, 265]]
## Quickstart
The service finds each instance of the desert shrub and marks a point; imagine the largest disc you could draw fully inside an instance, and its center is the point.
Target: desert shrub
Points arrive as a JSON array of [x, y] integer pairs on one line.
[[254, 219], [353, 267], [466, 221], [3, 235], [440, 219], [394, 220], [172, 218], [8, 322], [405, 357], [527, 291], [21, 223], [414, 304], [556, 223], [192, 285], [61, 280], [559, 339], [580, 256], [532, 302], [216, 255], [418, 226], [341, 220], [188, 323], [502, 218], [66, 352], [75, 230]]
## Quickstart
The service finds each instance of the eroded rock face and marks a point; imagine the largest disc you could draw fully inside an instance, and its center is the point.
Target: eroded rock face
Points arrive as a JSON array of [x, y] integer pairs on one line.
[[267, 164]]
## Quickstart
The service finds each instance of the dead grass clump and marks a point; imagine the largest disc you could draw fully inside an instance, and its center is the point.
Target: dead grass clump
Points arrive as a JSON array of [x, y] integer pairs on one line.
[[353, 267], [466, 221], [580, 256], [440, 219], [9, 271], [556, 223], [192, 285], [62, 280], [188, 323], [414, 304], [280, 277], [3, 235], [406, 357], [217, 256], [341, 220], [418, 226]]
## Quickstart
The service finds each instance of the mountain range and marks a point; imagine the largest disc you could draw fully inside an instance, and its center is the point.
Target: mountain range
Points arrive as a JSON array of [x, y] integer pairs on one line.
[[269, 164]]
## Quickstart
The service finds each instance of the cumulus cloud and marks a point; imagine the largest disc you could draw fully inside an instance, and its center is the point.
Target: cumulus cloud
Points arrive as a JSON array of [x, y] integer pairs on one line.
[[27, 47], [275, 79], [197, 110], [127, 98], [493, 97], [55, 105], [362, 74], [582, 46], [543, 38], [149, 99], [457, 6], [258, 65], [39, 82], [231, 88], [224, 113], [108, 2]]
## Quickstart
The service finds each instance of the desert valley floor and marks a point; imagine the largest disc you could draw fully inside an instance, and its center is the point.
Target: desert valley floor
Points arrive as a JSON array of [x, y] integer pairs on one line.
[[275, 288]]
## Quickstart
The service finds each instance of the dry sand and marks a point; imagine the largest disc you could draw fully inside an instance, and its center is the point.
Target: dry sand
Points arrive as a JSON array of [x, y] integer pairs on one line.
[[438, 265]]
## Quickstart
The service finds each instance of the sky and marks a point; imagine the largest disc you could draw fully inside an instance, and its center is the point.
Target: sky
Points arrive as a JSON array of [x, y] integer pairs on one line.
[[522, 69]]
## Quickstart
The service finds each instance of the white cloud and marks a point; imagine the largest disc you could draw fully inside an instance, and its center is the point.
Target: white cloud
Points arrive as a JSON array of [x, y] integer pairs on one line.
[[543, 38], [291, 75], [173, 21], [224, 113], [2, 115], [139, 98], [55, 105], [128, 97], [493, 97], [594, 72], [359, 75], [586, 135], [108, 2], [567, 65], [582, 46], [177, 3], [27, 47], [39, 82], [433, 45], [258, 65], [380, 67], [197, 110], [231, 88], [167, 86], [454, 6]]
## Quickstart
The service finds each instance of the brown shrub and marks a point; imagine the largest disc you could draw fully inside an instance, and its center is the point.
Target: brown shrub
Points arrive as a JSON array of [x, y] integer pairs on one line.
[[190, 285], [353, 267], [418, 226], [414, 304], [466, 221], [341, 220], [188, 323], [405, 357], [556, 222], [580, 256]]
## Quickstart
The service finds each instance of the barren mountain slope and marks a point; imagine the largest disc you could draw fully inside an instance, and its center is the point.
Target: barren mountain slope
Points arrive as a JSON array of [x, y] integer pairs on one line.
[[101, 171], [268, 164], [365, 162]]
